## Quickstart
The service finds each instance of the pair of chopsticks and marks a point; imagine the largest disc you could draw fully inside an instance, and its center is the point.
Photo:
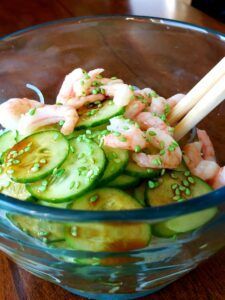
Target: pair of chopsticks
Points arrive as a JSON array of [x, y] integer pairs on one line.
[[208, 93]]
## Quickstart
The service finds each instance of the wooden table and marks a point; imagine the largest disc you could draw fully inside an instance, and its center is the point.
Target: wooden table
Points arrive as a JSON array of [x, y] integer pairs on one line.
[[208, 280]]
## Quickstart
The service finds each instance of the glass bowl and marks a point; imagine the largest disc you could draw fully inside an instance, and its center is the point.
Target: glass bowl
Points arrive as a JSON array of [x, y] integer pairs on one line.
[[168, 56]]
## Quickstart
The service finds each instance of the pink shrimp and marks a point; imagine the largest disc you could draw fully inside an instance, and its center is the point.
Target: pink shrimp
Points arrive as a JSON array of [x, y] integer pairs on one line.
[[219, 179], [171, 156], [129, 137], [173, 100], [205, 169], [121, 93], [47, 115], [75, 85], [133, 109], [142, 100], [147, 120], [207, 146], [158, 105], [12, 110]]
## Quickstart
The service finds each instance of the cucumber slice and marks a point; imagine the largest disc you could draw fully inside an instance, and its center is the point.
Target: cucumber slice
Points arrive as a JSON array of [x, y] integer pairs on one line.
[[124, 181], [36, 156], [88, 132], [45, 231], [7, 140], [13, 189], [167, 192], [139, 193], [133, 169], [170, 185], [79, 173], [184, 223], [117, 161], [98, 116], [107, 236]]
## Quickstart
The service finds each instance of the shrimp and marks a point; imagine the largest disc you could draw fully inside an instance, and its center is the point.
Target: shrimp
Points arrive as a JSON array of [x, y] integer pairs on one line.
[[126, 135], [75, 85], [147, 120], [207, 146], [135, 107], [46, 115], [173, 100], [169, 158], [204, 169], [158, 105], [219, 180], [12, 110], [121, 93]]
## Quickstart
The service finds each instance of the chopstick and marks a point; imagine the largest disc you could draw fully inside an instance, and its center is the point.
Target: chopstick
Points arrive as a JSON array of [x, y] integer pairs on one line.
[[213, 97], [197, 92]]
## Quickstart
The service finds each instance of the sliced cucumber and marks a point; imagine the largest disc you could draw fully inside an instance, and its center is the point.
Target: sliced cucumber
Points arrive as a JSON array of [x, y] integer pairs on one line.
[[79, 173], [13, 189], [88, 132], [133, 169], [169, 189], [117, 160], [7, 140], [107, 236], [124, 181], [46, 231], [36, 156], [178, 188], [139, 193], [184, 223], [98, 116]]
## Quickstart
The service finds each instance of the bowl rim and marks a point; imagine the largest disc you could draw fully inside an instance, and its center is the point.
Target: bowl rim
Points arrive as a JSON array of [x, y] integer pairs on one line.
[[214, 198]]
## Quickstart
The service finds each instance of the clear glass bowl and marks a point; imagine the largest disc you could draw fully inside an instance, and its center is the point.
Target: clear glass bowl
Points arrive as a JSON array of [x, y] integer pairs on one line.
[[166, 55]]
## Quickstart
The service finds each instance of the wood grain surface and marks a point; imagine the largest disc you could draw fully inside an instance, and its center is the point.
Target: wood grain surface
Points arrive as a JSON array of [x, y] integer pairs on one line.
[[207, 282]]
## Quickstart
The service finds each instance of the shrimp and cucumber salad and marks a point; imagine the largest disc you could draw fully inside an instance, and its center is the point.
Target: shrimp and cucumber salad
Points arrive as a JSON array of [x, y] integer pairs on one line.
[[104, 145]]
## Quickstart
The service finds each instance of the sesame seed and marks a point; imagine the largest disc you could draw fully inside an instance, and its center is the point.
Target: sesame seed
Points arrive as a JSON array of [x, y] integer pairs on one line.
[[151, 184], [151, 133], [187, 192], [185, 183], [74, 231], [137, 148], [93, 198], [191, 180], [32, 111], [174, 186]]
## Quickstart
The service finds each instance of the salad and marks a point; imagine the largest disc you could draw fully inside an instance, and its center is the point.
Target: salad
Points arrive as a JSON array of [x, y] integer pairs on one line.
[[104, 145]]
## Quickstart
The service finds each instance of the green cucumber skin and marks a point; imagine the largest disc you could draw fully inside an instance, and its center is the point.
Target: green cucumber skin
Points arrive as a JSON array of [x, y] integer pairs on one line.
[[143, 175], [118, 182], [123, 164], [39, 177], [87, 124], [163, 229], [72, 196]]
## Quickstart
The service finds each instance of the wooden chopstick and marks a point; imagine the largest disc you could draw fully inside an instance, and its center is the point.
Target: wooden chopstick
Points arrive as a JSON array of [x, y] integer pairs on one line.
[[214, 96], [197, 92]]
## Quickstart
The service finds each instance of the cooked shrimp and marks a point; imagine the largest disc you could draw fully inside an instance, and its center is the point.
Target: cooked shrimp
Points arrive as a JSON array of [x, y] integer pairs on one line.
[[173, 100], [169, 158], [205, 169], [147, 120], [133, 109], [125, 135], [81, 101], [219, 180], [207, 146], [142, 100], [47, 115], [12, 110], [121, 93], [75, 85], [158, 105]]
